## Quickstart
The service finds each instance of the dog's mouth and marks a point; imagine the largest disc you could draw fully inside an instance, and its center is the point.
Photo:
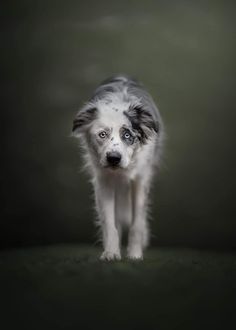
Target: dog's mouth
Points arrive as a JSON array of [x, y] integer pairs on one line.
[[113, 167]]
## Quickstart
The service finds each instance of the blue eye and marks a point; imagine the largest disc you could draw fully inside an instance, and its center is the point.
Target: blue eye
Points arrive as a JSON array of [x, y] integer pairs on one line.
[[102, 134], [127, 135]]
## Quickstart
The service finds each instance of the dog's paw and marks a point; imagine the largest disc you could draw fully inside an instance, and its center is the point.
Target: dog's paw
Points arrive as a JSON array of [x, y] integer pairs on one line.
[[110, 256], [135, 254], [135, 257]]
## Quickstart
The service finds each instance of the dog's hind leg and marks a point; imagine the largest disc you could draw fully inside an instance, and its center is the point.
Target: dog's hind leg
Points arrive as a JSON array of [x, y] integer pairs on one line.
[[138, 233], [105, 201]]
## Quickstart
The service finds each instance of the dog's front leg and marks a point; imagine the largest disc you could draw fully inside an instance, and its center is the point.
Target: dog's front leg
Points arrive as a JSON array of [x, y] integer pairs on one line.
[[105, 199], [138, 234]]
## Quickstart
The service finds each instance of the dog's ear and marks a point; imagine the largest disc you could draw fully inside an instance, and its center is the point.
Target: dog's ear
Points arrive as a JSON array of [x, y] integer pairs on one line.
[[143, 122], [83, 119]]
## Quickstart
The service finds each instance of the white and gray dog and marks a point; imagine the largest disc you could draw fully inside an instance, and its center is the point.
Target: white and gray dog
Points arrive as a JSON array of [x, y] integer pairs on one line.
[[121, 131]]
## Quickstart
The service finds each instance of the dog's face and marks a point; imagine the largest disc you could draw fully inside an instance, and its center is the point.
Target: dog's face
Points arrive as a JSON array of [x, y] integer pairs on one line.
[[115, 131], [112, 138]]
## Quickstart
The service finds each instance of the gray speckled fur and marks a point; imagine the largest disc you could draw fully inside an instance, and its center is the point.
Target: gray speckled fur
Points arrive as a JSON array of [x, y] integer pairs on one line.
[[119, 82]]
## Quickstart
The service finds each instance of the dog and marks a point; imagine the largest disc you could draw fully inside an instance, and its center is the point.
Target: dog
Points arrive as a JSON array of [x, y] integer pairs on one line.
[[122, 132]]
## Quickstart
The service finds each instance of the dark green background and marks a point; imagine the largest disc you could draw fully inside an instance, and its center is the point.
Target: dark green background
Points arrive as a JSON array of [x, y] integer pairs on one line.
[[55, 53]]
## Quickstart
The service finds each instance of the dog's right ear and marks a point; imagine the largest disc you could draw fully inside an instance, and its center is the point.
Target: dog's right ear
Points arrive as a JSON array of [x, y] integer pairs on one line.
[[83, 119]]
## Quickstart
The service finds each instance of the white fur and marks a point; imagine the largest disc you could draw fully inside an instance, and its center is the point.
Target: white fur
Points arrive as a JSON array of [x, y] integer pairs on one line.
[[121, 193]]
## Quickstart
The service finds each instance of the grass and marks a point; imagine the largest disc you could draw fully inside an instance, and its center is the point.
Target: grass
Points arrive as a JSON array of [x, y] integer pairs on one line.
[[67, 287]]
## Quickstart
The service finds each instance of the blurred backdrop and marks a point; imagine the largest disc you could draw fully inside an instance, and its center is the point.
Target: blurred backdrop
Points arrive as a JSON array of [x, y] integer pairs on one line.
[[53, 55]]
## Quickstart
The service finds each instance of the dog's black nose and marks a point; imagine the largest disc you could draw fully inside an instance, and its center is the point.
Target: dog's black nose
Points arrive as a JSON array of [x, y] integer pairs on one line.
[[113, 158]]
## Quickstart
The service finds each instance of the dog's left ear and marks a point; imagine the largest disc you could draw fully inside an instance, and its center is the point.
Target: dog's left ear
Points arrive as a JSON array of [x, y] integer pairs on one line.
[[83, 119], [143, 121]]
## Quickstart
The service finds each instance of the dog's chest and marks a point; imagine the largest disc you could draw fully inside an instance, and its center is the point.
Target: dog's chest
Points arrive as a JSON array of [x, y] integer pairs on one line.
[[123, 210]]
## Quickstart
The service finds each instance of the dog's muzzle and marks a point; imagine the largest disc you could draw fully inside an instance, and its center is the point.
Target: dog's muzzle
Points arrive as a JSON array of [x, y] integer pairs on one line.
[[113, 158]]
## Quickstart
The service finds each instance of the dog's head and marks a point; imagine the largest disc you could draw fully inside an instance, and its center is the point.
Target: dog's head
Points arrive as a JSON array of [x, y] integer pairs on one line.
[[115, 129]]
